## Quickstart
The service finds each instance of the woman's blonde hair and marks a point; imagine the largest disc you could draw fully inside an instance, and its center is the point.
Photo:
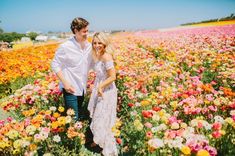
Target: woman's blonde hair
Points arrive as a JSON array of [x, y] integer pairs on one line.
[[104, 39]]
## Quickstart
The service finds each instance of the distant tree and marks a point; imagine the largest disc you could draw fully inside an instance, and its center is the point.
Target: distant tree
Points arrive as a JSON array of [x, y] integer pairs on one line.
[[32, 35], [50, 32], [10, 37]]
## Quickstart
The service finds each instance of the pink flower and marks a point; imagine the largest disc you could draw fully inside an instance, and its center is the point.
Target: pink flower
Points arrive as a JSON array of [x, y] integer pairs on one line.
[[233, 117], [148, 125], [2, 123], [149, 134], [172, 119], [9, 119], [209, 97], [27, 122], [216, 134], [211, 150]]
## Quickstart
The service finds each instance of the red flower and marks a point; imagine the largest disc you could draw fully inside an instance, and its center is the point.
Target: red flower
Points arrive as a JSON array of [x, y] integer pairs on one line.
[[119, 140], [147, 114], [217, 126], [156, 108], [130, 104]]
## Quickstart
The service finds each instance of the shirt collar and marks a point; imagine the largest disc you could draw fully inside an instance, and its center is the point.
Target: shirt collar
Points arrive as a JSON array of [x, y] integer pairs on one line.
[[87, 44]]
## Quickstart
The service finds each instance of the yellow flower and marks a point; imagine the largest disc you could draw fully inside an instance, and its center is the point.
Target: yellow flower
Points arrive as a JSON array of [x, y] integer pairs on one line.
[[31, 129], [118, 123], [17, 144], [202, 152], [117, 133], [61, 120], [206, 102], [61, 109], [229, 120], [183, 125], [138, 125], [186, 150], [48, 112], [145, 103], [161, 113], [16, 151], [12, 134], [222, 132], [54, 125], [174, 104], [56, 115], [4, 144]]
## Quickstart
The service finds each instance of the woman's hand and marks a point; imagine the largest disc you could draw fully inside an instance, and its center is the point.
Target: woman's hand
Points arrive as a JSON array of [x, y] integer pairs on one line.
[[100, 91]]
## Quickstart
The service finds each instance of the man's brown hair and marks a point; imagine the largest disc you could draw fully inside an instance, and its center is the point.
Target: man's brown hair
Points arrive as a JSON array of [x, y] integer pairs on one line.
[[78, 23]]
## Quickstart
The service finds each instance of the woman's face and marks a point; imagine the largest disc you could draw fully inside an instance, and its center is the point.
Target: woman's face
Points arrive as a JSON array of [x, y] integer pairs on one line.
[[98, 46]]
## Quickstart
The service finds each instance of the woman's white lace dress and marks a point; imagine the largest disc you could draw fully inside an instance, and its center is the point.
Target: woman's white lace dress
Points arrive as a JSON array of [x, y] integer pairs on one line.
[[103, 111]]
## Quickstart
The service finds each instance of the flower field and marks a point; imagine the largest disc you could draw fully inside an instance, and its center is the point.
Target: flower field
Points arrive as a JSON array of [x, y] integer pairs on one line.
[[176, 96]]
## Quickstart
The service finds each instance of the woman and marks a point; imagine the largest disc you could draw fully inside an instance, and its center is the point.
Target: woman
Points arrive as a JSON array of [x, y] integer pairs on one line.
[[103, 100]]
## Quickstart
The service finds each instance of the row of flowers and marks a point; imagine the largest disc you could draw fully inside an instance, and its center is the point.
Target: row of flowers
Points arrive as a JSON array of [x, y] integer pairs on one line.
[[177, 91], [25, 62]]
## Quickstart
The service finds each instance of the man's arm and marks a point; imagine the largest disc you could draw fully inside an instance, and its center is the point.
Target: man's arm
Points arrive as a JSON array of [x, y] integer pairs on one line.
[[56, 65]]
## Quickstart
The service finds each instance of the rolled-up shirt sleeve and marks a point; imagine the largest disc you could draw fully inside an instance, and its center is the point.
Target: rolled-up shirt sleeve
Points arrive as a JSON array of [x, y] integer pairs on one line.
[[57, 62]]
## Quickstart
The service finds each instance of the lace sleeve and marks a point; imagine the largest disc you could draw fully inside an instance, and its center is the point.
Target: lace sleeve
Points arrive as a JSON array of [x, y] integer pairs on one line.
[[109, 65]]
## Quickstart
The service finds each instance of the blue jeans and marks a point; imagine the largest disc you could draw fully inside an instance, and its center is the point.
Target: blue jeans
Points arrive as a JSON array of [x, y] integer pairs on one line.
[[74, 102]]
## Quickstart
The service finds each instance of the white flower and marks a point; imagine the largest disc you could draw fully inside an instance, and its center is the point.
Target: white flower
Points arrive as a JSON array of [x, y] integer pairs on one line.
[[219, 119], [232, 112], [175, 125], [156, 117], [56, 138], [137, 104], [68, 119], [162, 127], [156, 143], [25, 143], [53, 108], [154, 129], [206, 125], [193, 123], [78, 125], [133, 113]]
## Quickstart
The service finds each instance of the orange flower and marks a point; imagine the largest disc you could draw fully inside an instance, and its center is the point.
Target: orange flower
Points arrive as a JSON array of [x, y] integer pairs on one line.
[[56, 115], [32, 147], [71, 133]]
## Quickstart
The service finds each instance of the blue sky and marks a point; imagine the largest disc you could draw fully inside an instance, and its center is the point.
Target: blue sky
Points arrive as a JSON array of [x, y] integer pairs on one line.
[[56, 15]]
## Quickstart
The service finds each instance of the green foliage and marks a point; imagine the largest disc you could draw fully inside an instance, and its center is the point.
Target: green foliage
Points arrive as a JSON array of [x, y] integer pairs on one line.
[[32, 35], [1, 30], [227, 18], [10, 37]]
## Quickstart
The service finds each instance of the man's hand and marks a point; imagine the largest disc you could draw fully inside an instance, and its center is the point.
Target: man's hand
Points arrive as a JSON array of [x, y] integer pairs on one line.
[[69, 88]]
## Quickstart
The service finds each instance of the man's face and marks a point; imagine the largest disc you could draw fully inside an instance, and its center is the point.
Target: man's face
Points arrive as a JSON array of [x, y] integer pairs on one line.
[[82, 34]]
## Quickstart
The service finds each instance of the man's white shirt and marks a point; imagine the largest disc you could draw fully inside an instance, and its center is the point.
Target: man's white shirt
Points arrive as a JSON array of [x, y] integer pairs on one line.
[[74, 62]]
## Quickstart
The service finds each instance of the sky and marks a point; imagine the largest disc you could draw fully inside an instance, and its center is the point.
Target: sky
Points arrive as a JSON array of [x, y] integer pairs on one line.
[[56, 15]]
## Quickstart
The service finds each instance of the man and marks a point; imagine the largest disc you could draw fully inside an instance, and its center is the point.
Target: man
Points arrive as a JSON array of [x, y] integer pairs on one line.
[[71, 64]]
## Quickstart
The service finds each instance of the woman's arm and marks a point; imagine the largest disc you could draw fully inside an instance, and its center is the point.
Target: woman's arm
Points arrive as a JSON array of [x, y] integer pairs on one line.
[[111, 73]]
